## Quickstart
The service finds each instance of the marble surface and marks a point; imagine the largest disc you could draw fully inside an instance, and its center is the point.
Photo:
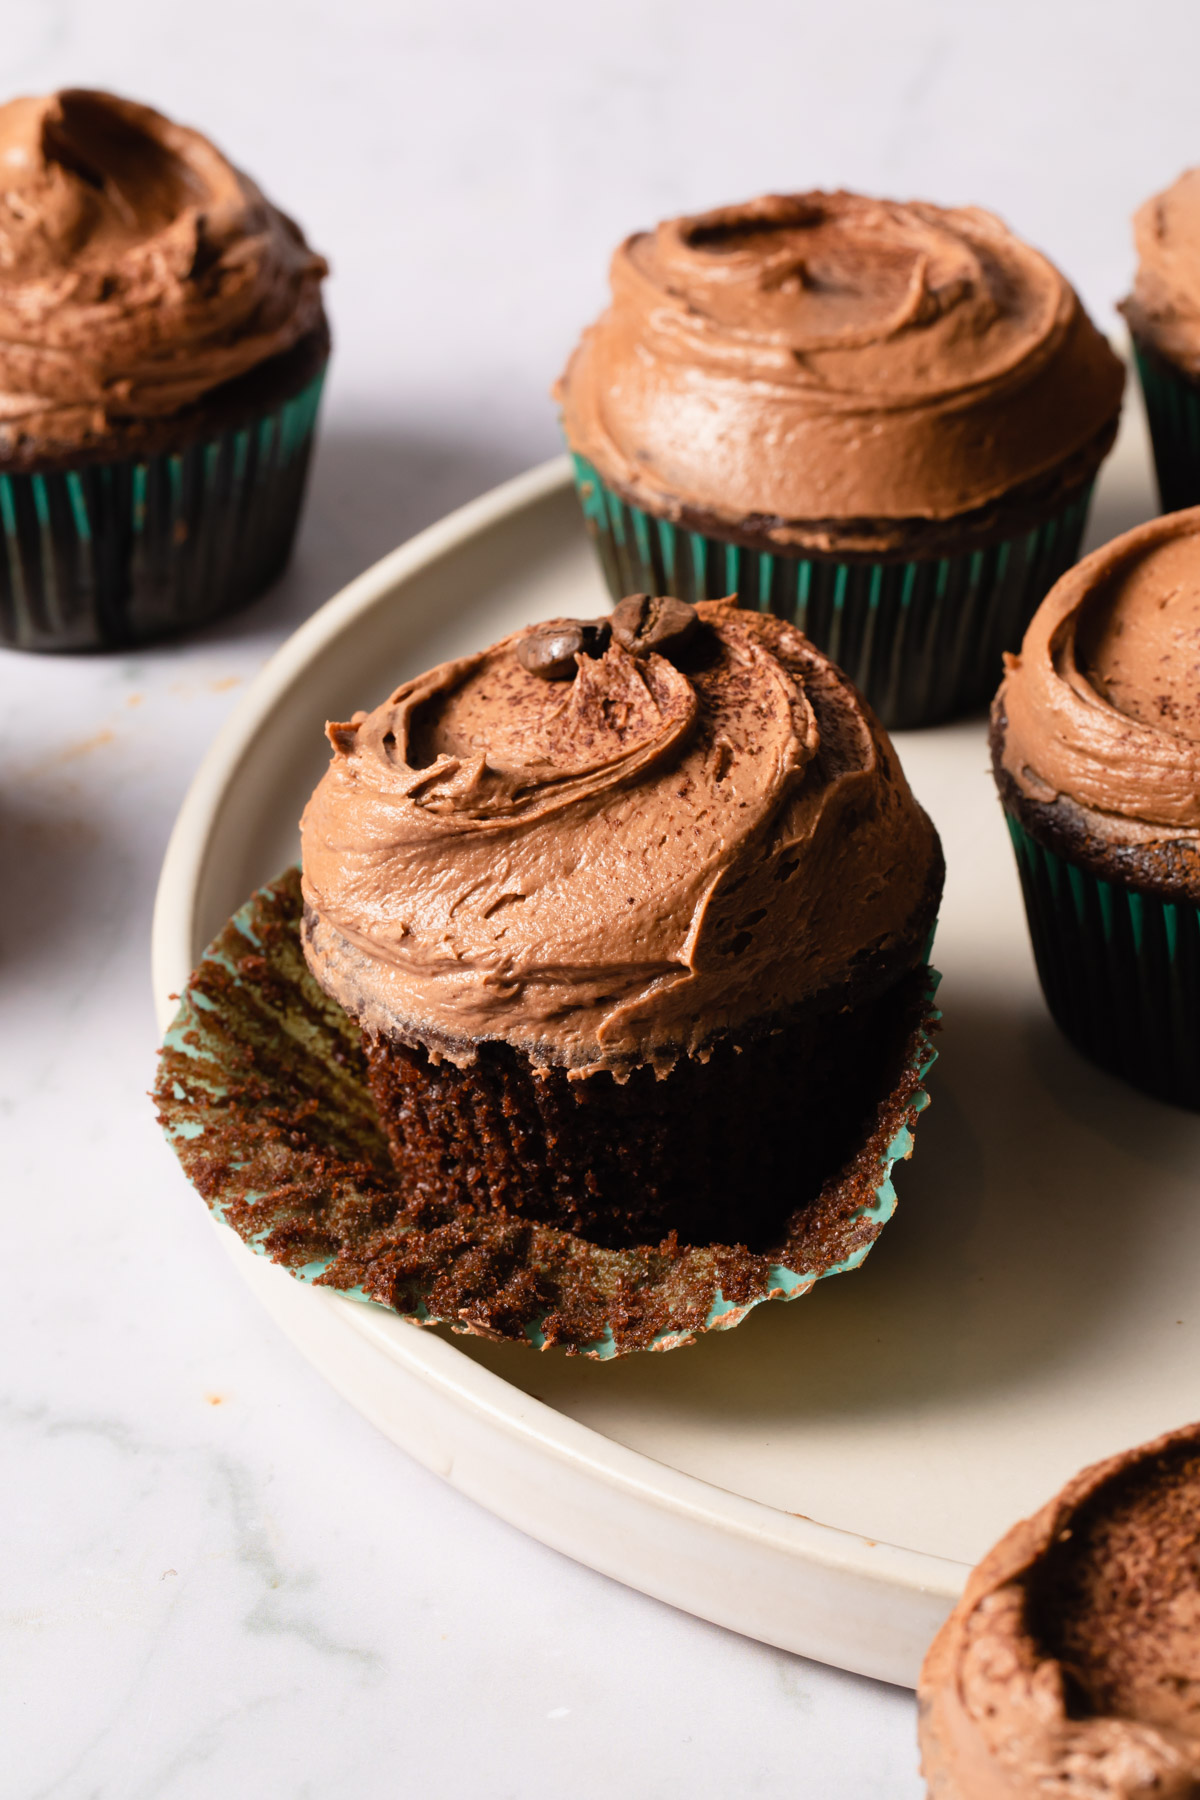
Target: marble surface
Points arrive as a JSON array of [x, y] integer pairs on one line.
[[216, 1578]]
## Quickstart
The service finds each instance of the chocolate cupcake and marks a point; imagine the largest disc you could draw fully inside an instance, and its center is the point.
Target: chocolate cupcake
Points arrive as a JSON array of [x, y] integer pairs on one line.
[[621, 1013], [1071, 1666], [631, 916], [162, 349], [881, 422], [1096, 753], [1163, 312]]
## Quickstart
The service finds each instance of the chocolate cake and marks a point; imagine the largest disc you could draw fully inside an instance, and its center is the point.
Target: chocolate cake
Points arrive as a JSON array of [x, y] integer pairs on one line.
[[1096, 751], [628, 912], [838, 375], [1096, 727], [1071, 1666], [879, 420], [162, 349], [145, 279]]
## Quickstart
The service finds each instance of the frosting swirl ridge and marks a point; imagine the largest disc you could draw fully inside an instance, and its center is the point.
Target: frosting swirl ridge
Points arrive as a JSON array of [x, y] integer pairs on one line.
[[613, 870], [1072, 1663], [1102, 706], [827, 357], [139, 270]]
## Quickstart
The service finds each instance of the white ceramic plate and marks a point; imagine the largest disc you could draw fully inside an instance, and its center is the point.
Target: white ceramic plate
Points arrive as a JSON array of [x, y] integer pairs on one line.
[[822, 1477]]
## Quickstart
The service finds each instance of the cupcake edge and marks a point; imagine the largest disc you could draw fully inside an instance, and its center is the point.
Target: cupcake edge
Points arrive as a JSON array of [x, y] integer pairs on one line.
[[1022, 1708]]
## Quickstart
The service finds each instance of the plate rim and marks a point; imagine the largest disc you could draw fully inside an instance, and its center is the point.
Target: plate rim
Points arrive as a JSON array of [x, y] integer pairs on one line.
[[459, 1382]]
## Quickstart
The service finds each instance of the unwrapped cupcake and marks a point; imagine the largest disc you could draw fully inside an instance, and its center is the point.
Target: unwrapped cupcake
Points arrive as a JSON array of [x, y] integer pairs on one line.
[[1096, 753], [162, 349], [619, 908], [879, 421], [1071, 1666], [602, 1011]]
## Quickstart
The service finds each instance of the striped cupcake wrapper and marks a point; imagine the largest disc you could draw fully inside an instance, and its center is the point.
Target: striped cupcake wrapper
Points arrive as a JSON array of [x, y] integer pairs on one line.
[[1173, 414], [922, 640], [1120, 970], [119, 553]]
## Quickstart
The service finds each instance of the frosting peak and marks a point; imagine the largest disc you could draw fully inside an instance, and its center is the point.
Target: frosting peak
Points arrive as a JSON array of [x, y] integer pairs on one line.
[[615, 869], [138, 268], [827, 357], [1103, 703], [484, 743]]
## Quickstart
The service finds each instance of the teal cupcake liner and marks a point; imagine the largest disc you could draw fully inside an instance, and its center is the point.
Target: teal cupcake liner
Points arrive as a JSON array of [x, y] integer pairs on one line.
[[1173, 414], [118, 553], [1120, 970], [923, 640], [262, 1093]]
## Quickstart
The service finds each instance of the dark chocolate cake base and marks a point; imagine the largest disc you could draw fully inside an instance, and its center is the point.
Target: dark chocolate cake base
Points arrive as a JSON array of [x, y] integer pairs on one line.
[[714, 1150], [263, 1093]]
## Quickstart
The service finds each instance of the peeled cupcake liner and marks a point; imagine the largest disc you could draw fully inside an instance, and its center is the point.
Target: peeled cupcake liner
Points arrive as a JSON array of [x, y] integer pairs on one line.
[[1173, 414], [262, 1094], [1120, 970], [922, 640], [124, 552]]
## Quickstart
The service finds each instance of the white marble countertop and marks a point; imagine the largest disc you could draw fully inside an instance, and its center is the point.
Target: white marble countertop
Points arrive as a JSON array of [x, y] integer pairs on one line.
[[216, 1578]]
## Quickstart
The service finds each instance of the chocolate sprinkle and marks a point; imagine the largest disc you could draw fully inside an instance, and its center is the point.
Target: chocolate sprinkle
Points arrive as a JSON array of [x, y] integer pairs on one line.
[[262, 1090]]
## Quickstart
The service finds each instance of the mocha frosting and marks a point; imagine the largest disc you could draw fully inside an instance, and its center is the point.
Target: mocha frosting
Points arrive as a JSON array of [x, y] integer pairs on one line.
[[139, 270], [1100, 712], [1164, 308], [1071, 1666], [805, 362], [614, 870]]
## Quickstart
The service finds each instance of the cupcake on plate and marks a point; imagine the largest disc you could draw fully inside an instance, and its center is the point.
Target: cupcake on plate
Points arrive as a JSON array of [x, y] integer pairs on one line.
[[162, 349], [1096, 752], [602, 1011], [1071, 1665], [881, 422], [619, 907], [1163, 312]]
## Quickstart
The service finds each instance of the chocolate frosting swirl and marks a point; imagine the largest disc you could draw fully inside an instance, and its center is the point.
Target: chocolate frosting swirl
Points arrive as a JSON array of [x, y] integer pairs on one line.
[[1164, 308], [613, 870], [1071, 1666], [1102, 706], [139, 269], [819, 357]]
